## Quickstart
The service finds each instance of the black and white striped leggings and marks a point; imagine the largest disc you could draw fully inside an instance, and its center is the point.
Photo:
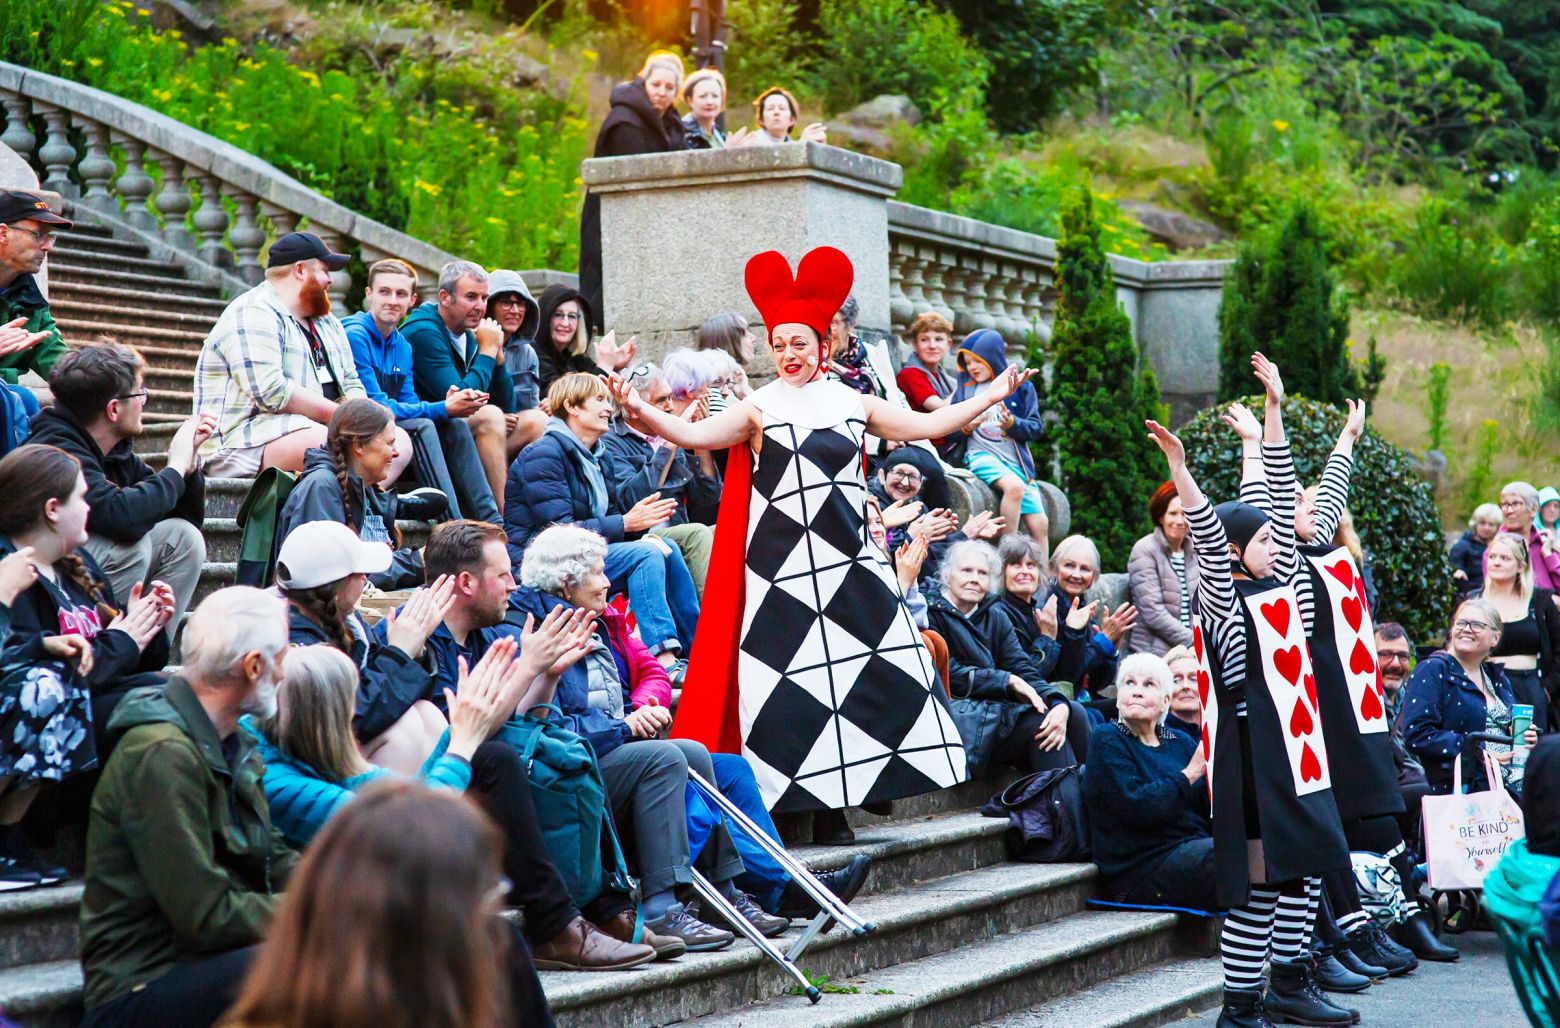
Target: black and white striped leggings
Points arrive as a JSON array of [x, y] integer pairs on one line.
[[1276, 921]]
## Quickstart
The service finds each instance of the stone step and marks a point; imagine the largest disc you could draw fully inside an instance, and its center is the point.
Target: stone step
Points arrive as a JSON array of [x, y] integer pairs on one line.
[[223, 538], [796, 829], [45, 995], [39, 925], [961, 986], [133, 304], [91, 256], [946, 916], [77, 239], [910, 851], [82, 330], [171, 401], [173, 380], [90, 278], [1154, 996], [86, 228]]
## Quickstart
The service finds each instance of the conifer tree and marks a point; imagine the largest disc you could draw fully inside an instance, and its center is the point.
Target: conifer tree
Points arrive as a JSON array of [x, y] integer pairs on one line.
[[1101, 392]]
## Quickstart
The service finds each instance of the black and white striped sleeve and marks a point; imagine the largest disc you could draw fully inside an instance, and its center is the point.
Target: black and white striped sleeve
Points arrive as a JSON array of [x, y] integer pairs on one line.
[[1332, 496], [1280, 466], [1215, 584]]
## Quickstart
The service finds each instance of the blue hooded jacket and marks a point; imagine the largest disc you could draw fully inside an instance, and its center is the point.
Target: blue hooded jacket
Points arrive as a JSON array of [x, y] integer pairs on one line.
[[986, 346], [384, 366]]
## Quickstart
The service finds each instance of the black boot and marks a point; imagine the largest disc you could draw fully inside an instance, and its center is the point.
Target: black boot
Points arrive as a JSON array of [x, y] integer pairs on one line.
[[1293, 997], [1417, 934], [1333, 976], [1370, 944], [1352, 963], [1243, 1009], [831, 829], [844, 883]]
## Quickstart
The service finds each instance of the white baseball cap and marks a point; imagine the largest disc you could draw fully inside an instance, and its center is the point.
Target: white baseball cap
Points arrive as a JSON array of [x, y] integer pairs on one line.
[[318, 552]]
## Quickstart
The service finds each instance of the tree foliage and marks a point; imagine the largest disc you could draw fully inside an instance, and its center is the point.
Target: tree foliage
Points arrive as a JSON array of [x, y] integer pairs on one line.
[[1101, 392], [871, 47], [1280, 298], [1394, 511]]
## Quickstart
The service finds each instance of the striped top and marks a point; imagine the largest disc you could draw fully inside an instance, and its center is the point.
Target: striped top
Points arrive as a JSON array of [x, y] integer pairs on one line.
[[1332, 498], [1178, 565]]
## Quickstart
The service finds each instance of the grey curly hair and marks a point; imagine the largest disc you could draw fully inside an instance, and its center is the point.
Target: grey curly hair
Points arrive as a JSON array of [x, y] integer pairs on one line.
[[559, 557]]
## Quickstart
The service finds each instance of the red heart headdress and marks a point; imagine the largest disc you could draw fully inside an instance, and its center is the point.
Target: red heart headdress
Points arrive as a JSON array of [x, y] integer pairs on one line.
[[823, 280]]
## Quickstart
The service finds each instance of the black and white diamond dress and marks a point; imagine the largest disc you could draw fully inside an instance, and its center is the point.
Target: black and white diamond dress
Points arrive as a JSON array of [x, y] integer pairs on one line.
[[839, 702]]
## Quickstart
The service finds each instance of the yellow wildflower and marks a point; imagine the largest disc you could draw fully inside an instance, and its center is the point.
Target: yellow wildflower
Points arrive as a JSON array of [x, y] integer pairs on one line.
[[496, 221], [1280, 125], [431, 188], [95, 62]]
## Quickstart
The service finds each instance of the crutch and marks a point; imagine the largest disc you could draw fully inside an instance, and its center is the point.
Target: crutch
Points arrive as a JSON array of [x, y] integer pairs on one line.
[[712, 896], [830, 906]]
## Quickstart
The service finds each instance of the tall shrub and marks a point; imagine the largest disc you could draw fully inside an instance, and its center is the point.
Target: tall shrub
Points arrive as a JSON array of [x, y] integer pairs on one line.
[[1101, 393], [1281, 298]]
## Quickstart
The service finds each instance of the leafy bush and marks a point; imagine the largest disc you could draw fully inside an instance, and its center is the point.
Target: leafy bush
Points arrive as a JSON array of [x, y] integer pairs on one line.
[[1393, 509], [1447, 235], [762, 52], [1102, 392], [870, 47], [448, 150]]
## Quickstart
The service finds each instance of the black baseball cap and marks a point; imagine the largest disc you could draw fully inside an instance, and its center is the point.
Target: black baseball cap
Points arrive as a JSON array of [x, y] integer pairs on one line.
[[304, 246], [18, 205]]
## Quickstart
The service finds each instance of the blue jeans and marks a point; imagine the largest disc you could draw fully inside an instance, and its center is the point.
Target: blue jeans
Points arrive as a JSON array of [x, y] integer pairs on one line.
[[660, 592], [763, 878], [445, 457]]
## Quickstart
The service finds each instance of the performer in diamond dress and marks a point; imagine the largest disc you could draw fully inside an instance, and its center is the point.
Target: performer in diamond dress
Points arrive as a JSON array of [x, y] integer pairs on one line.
[[806, 660]]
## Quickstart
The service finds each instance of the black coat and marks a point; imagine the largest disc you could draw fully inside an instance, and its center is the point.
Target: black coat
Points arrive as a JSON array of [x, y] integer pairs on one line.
[[127, 497], [983, 650], [549, 362], [389, 681], [632, 127], [633, 471]]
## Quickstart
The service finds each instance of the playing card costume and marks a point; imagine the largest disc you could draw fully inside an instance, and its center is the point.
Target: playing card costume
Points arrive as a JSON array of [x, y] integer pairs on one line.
[[806, 660]]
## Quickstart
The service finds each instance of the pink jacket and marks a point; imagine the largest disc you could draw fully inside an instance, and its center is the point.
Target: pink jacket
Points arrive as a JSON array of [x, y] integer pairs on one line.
[[646, 676]]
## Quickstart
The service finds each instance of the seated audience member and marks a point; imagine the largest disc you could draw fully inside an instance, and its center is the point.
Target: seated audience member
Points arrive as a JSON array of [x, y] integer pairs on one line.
[[621, 700], [850, 358], [1088, 652], [1147, 798], [776, 111], [1519, 517], [728, 333], [45, 509], [908, 561], [1517, 892], [563, 340], [143, 525], [457, 351], [1394, 658], [183, 864], [444, 450], [637, 466], [399, 856], [275, 364], [1467, 556], [1530, 639], [1457, 692], [1008, 715], [42, 700], [29, 338], [559, 480], [1029, 608], [511, 304], [997, 450], [909, 475], [925, 382], [341, 482], [1162, 572], [908, 481], [313, 769], [1185, 713], [321, 571]]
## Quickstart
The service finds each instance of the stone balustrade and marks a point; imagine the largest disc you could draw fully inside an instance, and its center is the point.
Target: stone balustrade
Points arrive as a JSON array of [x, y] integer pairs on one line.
[[192, 198]]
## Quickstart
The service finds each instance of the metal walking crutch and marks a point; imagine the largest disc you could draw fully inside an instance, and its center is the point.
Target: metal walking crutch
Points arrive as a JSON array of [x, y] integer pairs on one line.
[[712, 896], [830, 906]]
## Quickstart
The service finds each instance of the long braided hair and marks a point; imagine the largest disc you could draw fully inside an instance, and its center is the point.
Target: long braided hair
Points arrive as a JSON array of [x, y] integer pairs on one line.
[[30, 476], [319, 603], [357, 421]]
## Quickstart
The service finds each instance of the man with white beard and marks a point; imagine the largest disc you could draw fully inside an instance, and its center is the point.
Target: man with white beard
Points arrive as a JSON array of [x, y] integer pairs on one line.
[[183, 866]]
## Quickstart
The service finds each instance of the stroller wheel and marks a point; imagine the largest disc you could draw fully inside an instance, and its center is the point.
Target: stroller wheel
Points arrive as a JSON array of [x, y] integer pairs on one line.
[[1462, 911]]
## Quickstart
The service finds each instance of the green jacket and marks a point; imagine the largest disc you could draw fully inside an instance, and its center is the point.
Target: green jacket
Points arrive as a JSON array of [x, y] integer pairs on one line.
[[182, 860], [1512, 891], [23, 299]]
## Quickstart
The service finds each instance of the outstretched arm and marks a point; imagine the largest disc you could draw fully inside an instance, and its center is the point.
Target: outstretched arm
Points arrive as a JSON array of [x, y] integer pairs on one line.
[[890, 421], [1332, 494], [728, 428], [1253, 475]]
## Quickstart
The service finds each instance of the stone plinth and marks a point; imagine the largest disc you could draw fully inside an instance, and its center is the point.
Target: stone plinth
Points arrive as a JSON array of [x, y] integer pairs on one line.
[[1174, 307], [677, 230]]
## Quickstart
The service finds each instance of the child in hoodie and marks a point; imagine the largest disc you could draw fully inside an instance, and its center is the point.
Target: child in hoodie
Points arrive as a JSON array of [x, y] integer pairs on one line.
[[998, 449]]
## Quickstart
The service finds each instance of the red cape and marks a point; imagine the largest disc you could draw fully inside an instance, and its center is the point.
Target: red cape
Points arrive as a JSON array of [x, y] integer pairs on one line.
[[707, 710]]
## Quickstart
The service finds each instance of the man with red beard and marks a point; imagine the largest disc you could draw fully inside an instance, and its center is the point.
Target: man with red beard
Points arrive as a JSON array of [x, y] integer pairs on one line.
[[275, 366]]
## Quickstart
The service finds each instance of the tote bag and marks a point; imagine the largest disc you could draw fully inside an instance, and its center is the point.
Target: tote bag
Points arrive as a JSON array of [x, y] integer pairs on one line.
[[1466, 833]]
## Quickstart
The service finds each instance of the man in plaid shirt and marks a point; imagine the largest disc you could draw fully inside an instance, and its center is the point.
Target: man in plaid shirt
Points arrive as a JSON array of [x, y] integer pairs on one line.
[[275, 366]]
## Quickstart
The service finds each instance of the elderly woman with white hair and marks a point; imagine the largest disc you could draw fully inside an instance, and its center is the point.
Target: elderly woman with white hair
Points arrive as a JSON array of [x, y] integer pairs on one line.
[[1089, 645], [1519, 517], [1006, 712], [1148, 799]]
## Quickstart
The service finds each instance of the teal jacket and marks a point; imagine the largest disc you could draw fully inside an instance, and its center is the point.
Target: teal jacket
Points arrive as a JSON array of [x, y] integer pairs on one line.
[[438, 362], [302, 799], [1512, 892]]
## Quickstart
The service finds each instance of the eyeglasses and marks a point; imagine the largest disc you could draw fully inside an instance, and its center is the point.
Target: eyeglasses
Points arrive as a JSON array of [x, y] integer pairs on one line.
[[43, 238], [1470, 625], [513, 301], [1392, 656], [1512, 504], [566, 315], [905, 476], [142, 395]]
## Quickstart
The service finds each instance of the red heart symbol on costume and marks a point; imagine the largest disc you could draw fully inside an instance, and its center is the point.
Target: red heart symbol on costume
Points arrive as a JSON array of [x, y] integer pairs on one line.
[[1202, 688], [1300, 722], [1360, 660], [1310, 767], [1207, 743], [1370, 704], [1343, 571], [1197, 643], [1287, 661], [1351, 611], [1310, 688], [1277, 615]]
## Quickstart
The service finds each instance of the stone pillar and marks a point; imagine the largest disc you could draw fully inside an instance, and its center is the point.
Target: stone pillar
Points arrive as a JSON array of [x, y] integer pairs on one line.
[[677, 230], [1174, 307]]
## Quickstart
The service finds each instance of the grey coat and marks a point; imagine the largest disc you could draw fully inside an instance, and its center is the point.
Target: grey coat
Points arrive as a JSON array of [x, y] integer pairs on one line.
[[1156, 593]]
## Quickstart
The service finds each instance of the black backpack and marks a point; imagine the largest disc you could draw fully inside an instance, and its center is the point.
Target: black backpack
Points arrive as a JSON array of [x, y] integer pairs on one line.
[[1047, 823]]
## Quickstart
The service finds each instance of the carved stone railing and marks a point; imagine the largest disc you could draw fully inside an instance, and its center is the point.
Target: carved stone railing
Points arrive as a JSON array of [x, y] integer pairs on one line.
[[211, 206]]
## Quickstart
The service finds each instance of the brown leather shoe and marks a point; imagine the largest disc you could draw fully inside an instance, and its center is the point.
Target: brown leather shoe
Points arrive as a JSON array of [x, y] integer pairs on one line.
[[581, 946], [667, 947]]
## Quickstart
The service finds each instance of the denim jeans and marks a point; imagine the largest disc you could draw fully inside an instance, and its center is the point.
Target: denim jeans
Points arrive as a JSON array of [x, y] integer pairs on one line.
[[660, 592], [763, 878], [445, 457]]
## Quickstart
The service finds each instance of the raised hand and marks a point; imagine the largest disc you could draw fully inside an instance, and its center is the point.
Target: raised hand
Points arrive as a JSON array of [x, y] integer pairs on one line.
[[475, 707], [1078, 617], [936, 525], [558, 642], [15, 338], [649, 512], [1045, 617], [1245, 423], [626, 397], [902, 512], [1118, 621], [1267, 373], [1168, 442], [17, 574], [490, 338], [614, 357], [983, 525], [420, 616], [1354, 423], [1006, 384], [143, 617], [909, 559], [814, 133]]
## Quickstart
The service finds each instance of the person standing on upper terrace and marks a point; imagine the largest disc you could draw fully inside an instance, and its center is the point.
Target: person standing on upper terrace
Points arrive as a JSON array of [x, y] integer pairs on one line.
[[29, 338], [276, 364]]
